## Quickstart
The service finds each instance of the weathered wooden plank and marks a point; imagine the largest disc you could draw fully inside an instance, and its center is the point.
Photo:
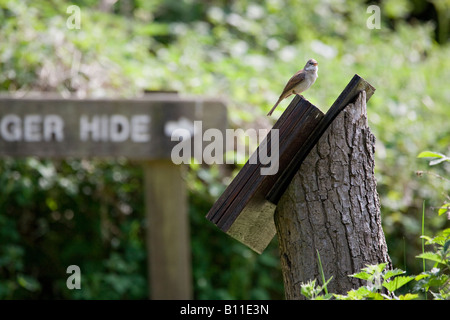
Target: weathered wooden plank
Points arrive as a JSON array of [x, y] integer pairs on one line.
[[251, 221], [48, 126], [258, 183], [240, 181], [242, 210]]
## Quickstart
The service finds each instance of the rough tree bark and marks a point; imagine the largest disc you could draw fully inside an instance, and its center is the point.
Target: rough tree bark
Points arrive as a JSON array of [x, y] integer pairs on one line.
[[332, 206]]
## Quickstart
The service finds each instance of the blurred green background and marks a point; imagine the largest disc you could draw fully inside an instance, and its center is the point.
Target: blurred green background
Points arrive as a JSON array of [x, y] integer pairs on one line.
[[90, 212]]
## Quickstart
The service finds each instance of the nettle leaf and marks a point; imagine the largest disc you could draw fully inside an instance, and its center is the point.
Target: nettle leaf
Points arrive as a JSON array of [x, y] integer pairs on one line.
[[428, 239], [397, 282], [358, 294], [375, 296], [375, 268], [408, 296], [392, 273], [430, 256], [446, 246], [368, 272], [307, 289], [436, 240], [421, 276], [361, 275]]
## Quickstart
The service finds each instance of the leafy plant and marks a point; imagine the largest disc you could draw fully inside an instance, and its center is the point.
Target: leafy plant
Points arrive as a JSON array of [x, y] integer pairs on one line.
[[313, 292], [381, 285], [437, 280], [379, 279]]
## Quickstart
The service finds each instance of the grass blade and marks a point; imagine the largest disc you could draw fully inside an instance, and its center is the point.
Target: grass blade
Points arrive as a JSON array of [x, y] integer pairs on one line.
[[321, 273], [423, 233]]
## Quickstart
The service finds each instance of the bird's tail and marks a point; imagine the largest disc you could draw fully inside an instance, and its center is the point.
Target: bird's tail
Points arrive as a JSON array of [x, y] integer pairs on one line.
[[276, 104]]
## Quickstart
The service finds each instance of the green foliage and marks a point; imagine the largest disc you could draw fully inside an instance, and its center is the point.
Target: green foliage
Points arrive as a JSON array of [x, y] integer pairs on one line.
[[84, 215], [378, 281], [429, 154], [378, 277], [437, 280], [313, 292]]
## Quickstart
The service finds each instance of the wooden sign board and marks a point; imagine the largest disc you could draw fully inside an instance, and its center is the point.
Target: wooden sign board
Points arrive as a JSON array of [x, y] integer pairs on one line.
[[45, 125], [245, 209], [140, 129]]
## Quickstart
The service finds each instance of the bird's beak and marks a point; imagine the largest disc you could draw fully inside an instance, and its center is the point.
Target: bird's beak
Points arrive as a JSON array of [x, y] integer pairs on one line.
[[315, 64]]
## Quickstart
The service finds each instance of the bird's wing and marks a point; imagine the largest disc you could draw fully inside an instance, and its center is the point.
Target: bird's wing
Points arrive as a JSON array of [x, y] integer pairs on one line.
[[287, 91], [294, 81]]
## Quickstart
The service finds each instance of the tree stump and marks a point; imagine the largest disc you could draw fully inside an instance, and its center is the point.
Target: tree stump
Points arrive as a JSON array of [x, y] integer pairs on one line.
[[332, 206]]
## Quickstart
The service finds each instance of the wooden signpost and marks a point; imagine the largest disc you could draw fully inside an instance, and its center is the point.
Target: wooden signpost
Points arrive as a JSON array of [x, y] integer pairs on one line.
[[140, 129]]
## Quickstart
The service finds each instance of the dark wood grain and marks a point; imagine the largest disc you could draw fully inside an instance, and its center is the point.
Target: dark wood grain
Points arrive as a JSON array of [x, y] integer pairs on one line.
[[259, 184], [240, 181], [244, 198]]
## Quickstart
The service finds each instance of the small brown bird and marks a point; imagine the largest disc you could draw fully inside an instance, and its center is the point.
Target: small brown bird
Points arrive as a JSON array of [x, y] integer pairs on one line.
[[299, 82]]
